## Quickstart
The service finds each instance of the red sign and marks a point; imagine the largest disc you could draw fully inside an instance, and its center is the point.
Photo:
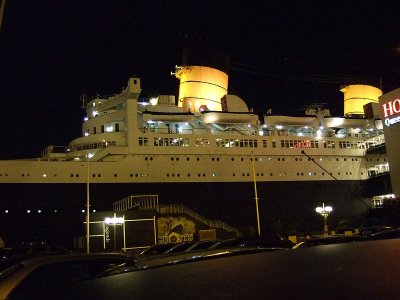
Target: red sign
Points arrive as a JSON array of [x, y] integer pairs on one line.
[[392, 107], [303, 144]]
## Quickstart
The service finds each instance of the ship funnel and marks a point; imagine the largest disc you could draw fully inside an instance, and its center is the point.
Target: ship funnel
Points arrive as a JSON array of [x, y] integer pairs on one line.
[[358, 95], [203, 80]]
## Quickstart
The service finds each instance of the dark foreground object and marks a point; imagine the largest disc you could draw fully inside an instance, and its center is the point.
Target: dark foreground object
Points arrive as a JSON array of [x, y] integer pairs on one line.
[[341, 271]]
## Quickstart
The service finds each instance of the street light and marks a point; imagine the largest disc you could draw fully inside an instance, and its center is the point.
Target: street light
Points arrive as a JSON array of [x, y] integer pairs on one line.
[[324, 211], [88, 157], [116, 221]]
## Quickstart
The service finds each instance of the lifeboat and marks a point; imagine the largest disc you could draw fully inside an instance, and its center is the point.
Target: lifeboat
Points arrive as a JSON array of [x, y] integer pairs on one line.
[[290, 121], [210, 117], [167, 117]]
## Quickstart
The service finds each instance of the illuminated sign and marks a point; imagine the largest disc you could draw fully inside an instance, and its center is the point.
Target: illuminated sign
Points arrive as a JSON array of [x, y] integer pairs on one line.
[[114, 220], [389, 109], [303, 144]]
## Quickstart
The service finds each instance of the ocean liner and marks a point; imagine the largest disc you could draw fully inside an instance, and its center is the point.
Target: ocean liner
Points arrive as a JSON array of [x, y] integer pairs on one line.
[[206, 150]]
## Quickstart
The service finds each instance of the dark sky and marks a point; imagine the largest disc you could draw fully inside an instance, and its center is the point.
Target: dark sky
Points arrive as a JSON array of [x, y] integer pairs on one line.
[[283, 55]]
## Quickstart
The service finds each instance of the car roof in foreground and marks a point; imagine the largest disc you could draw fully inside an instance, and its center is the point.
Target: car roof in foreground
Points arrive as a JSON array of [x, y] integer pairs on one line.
[[319, 241], [196, 255], [326, 272], [11, 265]]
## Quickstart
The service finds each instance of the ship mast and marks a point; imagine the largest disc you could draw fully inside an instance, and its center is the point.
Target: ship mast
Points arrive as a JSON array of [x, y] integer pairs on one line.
[[256, 195]]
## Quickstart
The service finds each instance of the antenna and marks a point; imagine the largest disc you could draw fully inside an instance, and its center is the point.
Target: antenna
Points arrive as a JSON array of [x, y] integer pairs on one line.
[[313, 160], [83, 98], [329, 173]]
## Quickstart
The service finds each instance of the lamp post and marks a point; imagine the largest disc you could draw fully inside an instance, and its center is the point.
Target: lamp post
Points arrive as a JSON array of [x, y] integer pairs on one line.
[[88, 156], [324, 211], [117, 221]]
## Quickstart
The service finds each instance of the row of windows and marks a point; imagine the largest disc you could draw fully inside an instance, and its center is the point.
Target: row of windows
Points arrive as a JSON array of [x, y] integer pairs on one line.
[[351, 145], [243, 143], [299, 144], [103, 129], [177, 142], [299, 159], [377, 159], [98, 145], [271, 158], [249, 143], [329, 144], [94, 175], [77, 175], [280, 174]]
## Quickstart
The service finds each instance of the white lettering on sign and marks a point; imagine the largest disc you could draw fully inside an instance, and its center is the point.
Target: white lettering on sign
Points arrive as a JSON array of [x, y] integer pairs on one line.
[[390, 108], [391, 121]]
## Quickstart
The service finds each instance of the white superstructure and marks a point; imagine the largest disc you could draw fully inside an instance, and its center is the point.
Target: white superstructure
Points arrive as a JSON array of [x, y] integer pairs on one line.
[[127, 140]]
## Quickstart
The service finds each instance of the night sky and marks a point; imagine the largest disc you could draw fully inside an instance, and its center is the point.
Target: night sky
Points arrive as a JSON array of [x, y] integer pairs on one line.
[[283, 55]]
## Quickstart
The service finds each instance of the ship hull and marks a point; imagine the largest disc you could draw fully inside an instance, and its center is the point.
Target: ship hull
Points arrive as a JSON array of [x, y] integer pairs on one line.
[[284, 207]]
